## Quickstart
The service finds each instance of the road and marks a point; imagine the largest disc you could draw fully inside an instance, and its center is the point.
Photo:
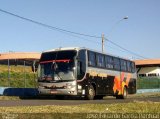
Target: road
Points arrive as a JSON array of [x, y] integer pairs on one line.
[[40, 102]]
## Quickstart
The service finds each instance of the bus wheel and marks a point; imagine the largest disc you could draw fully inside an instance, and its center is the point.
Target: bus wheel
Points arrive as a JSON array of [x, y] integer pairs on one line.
[[124, 95], [91, 93]]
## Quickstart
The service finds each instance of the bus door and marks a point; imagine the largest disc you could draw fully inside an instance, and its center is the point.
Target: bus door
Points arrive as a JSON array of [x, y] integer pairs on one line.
[[109, 85], [101, 85]]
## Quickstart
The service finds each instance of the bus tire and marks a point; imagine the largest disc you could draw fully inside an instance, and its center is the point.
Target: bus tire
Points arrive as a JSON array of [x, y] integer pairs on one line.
[[91, 93], [124, 95]]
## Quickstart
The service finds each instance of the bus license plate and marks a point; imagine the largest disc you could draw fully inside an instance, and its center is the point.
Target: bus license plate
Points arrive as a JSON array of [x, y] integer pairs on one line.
[[53, 91]]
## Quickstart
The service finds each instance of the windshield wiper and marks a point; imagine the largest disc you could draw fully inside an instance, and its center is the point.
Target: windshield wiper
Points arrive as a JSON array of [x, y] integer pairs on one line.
[[59, 77]]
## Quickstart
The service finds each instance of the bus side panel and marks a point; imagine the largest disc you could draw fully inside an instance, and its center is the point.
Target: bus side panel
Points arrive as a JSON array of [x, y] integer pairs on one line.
[[109, 85], [103, 84], [125, 80], [117, 87], [98, 82]]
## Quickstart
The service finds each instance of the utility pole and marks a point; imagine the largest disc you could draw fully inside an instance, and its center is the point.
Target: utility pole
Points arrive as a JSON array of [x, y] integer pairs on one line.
[[9, 80], [102, 43]]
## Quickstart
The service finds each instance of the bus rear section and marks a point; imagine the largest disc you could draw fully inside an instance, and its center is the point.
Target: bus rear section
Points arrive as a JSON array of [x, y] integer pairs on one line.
[[101, 85], [107, 75]]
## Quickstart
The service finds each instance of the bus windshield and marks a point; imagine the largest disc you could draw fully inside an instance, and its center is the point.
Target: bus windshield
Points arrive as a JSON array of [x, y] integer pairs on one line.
[[57, 66]]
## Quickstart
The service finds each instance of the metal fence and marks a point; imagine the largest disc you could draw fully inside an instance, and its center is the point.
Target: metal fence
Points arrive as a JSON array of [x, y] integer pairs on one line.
[[148, 82]]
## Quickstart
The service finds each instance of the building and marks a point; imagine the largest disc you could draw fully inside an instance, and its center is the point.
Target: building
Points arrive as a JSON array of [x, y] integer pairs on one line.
[[14, 58], [148, 68], [17, 69]]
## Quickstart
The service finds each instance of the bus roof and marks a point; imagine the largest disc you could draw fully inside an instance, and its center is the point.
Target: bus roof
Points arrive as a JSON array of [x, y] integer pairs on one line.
[[79, 48], [63, 49]]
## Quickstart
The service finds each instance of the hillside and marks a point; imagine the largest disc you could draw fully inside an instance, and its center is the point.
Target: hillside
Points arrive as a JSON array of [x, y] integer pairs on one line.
[[19, 76]]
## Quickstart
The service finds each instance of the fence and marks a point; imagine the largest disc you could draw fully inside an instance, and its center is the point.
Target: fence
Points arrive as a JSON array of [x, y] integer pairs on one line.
[[148, 83], [19, 75]]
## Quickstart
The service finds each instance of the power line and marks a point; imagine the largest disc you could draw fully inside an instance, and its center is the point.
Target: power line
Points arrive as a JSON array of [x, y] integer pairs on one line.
[[45, 25], [125, 49], [68, 31], [73, 35]]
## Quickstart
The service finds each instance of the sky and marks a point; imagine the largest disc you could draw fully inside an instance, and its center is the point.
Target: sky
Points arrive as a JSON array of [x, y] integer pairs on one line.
[[140, 33]]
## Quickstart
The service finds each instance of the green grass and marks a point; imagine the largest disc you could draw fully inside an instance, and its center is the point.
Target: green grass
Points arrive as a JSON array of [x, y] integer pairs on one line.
[[18, 76], [135, 107], [9, 98], [81, 111], [145, 95]]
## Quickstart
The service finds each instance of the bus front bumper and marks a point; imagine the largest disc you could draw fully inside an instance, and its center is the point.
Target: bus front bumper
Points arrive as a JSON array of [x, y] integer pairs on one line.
[[57, 91]]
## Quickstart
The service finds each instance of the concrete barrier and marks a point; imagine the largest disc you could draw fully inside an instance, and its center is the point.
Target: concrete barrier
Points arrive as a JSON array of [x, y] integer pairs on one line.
[[148, 90], [9, 91]]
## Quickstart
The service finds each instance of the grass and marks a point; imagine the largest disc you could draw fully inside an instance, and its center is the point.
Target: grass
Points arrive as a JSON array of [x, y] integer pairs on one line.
[[9, 98], [145, 95], [76, 111], [135, 107], [82, 111], [18, 76]]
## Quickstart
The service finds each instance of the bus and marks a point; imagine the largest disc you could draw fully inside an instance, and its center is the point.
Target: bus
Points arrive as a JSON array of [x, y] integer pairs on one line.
[[85, 73]]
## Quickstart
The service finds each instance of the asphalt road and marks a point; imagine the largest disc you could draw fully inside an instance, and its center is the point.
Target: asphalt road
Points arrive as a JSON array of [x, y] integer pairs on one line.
[[106, 100]]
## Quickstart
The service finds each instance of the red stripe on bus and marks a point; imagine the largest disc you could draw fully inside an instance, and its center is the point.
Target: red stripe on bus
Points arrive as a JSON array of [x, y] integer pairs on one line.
[[63, 60]]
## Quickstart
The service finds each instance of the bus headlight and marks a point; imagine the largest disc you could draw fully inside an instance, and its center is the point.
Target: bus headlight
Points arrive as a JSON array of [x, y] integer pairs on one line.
[[69, 86], [41, 87], [79, 87]]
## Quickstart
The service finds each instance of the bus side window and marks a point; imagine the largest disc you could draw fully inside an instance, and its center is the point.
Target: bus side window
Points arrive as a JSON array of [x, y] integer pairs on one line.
[[109, 62], [133, 67], [91, 59], [129, 66], [116, 63], [79, 68], [100, 60], [123, 65]]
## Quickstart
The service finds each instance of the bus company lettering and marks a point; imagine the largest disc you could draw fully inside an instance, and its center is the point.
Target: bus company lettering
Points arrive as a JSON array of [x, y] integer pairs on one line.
[[95, 73]]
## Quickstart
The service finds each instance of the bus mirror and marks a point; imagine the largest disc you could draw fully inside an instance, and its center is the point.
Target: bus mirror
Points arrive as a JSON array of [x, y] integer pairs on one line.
[[33, 69], [34, 66], [79, 67], [77, 58]]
